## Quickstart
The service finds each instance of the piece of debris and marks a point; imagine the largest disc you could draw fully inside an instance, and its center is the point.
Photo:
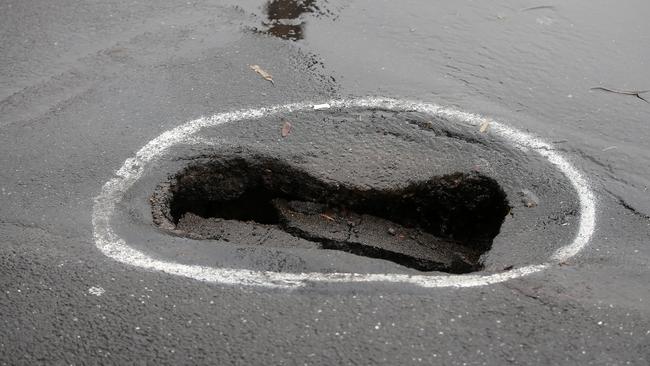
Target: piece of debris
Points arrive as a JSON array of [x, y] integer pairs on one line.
[[97, 291], [484, 127], [528, 198], [610, 148], [286, 128], [262, 73], [539, 7], [327, 217], [507, 268], [321, 106], [392, 231], [636, 93]]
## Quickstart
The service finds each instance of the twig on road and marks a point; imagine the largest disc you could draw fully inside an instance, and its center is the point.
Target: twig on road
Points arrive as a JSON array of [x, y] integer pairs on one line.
[[636, 93], [539, 7]]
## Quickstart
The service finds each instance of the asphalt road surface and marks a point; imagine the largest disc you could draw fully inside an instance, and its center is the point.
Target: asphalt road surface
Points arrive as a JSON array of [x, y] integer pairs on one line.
[[85, 85]]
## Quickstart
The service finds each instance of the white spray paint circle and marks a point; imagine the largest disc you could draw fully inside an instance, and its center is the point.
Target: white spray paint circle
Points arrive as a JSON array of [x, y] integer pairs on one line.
[[133, 168]]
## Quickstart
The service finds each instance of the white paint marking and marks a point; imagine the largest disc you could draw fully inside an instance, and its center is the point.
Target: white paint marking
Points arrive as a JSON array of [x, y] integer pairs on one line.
[[198, 140], [318, 107], [97, 291], [112, 193]]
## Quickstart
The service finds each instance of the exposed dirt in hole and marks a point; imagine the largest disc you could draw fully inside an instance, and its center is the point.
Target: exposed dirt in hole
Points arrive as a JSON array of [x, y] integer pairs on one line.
[[444, 223]]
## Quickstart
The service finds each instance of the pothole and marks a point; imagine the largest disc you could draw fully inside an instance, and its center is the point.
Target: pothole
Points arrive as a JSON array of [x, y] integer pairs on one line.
[[340, 183], [443, 223]]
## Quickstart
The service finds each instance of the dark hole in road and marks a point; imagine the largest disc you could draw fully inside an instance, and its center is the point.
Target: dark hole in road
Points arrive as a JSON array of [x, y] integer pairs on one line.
[[253, 205], [441, 224]]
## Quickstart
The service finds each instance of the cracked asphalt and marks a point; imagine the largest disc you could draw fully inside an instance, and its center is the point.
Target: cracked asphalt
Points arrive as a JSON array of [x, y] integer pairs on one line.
[[83, 86]]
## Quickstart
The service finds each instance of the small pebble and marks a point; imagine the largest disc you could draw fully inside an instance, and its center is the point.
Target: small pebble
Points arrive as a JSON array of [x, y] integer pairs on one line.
[[528, 198]]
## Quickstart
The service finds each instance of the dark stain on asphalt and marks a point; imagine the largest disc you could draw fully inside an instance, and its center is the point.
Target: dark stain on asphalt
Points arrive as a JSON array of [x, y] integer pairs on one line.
[[285, 17]]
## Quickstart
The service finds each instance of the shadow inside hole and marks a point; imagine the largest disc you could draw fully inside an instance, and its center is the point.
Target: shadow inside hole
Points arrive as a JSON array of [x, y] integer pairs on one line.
[[460, 213]]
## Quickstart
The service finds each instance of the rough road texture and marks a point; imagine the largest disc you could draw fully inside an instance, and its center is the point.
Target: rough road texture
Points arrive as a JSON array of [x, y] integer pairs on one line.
[[83, 85]]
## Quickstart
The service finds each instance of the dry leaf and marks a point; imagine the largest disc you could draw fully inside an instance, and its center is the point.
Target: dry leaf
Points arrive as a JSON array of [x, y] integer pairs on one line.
[[484, 127], [262, 73], [286, 129]]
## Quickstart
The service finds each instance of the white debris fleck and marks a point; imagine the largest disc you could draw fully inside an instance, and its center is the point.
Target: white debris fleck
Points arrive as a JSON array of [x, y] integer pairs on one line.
[[545, 21], [321, 106], [97, 291]]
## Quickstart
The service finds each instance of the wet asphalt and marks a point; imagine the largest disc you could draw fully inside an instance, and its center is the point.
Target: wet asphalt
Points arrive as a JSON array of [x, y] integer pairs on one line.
[[83, 86]]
